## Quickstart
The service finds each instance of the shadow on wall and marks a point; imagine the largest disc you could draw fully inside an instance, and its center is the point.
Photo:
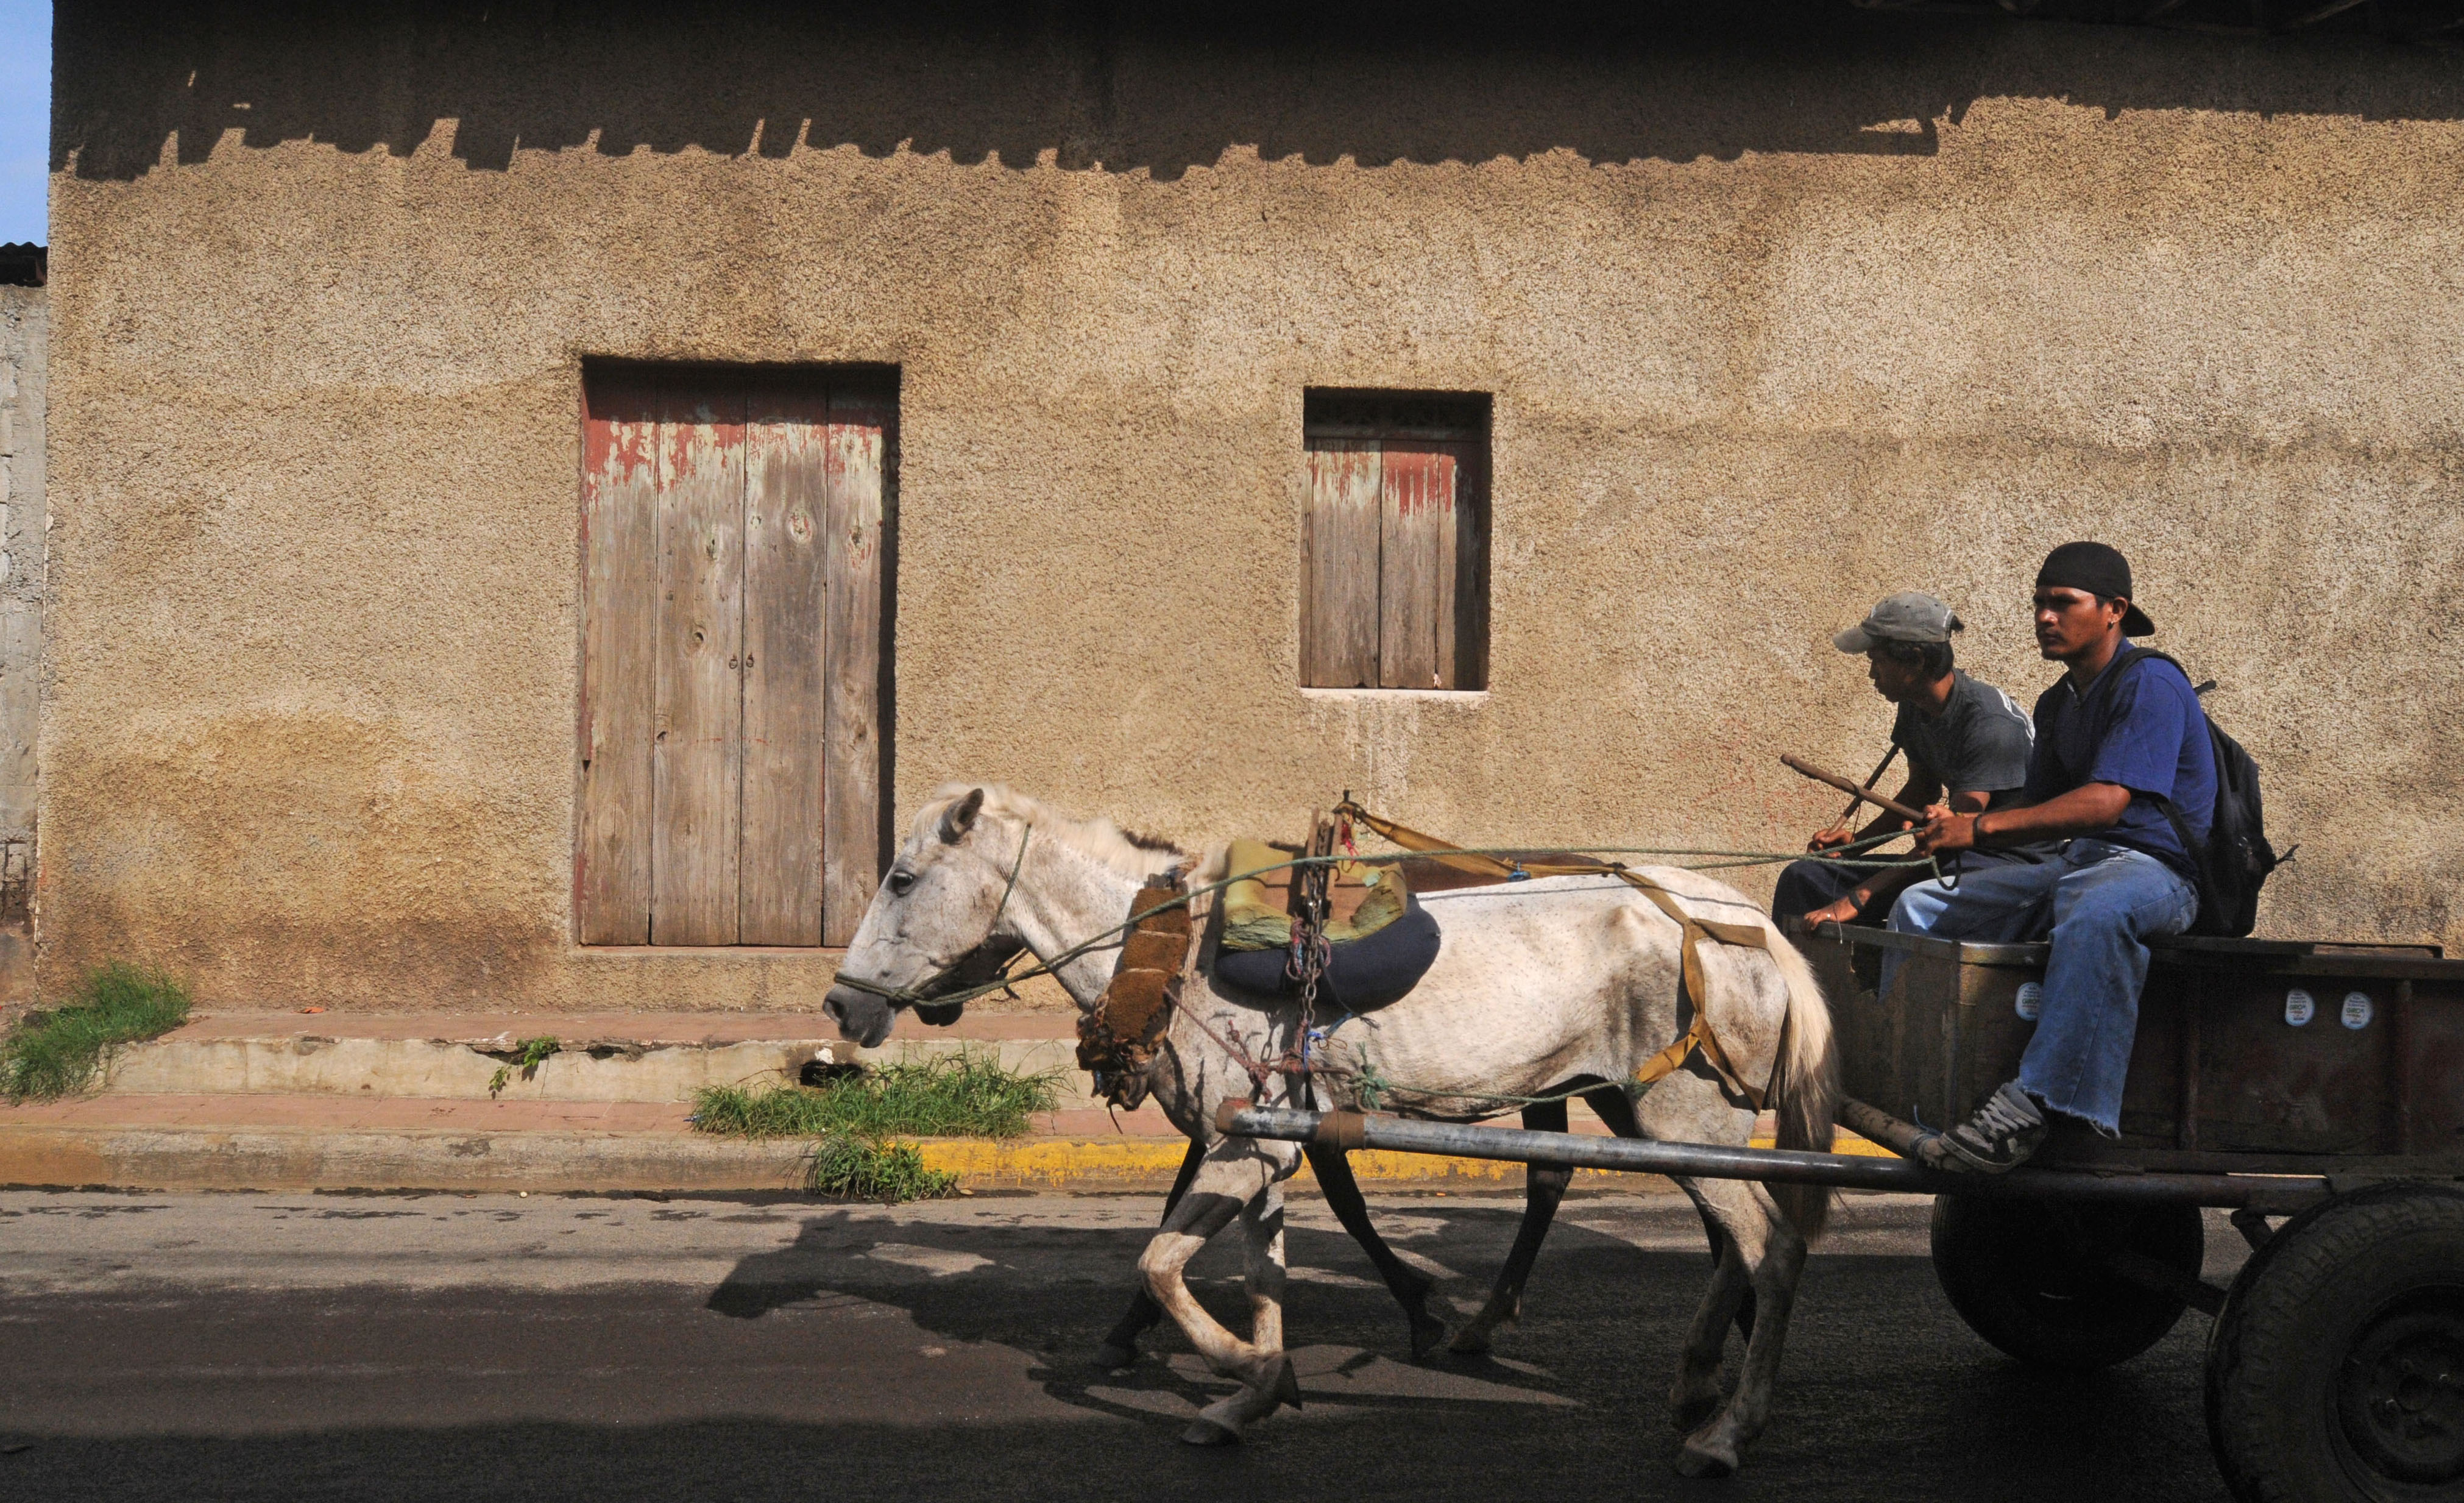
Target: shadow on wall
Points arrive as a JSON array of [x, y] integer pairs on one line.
[[1128, 87]]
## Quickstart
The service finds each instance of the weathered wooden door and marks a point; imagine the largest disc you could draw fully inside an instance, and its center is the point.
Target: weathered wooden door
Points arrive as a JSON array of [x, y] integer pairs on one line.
[[1394, 542], [733, 531]]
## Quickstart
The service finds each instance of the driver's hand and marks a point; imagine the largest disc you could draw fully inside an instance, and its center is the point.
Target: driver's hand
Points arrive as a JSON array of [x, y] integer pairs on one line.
[[1946, 832], [1831, 839]]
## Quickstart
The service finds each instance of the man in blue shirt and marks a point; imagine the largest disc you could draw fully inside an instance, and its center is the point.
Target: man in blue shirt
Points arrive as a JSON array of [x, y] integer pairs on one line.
[[2114, 745]]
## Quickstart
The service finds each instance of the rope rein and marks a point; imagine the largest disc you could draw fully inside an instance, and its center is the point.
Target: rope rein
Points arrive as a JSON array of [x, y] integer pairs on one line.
[[1847, 856]]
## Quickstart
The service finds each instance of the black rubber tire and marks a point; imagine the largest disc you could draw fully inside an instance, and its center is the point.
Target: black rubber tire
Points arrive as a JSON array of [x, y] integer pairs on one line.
[[2335, 1371], [2025, 1275]]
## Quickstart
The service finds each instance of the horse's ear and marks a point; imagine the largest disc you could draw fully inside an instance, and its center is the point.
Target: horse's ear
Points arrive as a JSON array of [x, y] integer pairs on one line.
[[961, 817]]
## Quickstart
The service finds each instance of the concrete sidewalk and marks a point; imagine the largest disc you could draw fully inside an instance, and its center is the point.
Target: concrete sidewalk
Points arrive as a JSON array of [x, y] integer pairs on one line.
[[288, 1101], [603, 1056]]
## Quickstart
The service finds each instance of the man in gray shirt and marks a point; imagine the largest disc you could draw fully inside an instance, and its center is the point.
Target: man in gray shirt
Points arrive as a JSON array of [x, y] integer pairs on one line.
[[1967, 747]]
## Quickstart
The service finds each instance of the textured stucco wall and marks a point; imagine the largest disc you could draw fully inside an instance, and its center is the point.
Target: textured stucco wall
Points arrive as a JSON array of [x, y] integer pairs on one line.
[[1780, 312]]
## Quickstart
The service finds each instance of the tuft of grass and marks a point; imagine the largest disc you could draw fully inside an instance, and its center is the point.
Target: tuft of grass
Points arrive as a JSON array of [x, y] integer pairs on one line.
[[966, 1094], [528, 1055], [58, 1052], [866, 1171]]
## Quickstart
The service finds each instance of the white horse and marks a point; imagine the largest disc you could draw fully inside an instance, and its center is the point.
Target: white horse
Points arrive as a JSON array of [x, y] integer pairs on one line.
[[1539, 987]]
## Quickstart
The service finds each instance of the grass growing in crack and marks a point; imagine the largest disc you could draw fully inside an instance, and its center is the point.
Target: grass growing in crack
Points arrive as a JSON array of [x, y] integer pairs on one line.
[[866, 1171], [55, 1052], [529, 1055], [966, 1094]]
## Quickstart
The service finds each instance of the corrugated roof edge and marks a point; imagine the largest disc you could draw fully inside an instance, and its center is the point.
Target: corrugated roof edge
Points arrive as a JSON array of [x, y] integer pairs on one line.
[[23, 264]]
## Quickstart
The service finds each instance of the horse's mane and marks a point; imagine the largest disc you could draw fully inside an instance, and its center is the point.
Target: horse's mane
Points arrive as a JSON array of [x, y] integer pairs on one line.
[[1098, 839]]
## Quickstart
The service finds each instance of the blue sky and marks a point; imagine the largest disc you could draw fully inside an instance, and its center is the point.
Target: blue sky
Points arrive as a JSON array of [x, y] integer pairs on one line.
[[25, 117]]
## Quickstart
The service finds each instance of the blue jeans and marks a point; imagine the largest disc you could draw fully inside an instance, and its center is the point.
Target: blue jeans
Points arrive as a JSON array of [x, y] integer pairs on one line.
[[2100, 902]]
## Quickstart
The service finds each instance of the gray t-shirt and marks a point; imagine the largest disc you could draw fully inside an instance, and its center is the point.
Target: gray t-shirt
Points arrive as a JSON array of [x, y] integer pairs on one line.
[[1980, 743]]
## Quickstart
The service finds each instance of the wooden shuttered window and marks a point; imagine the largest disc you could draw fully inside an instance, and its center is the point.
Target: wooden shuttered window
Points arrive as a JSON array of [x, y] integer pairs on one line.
[[1394, 542], [731, 746]]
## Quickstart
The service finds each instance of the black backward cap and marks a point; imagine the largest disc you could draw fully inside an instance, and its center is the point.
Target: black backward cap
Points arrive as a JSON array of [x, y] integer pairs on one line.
[[2099, 570]]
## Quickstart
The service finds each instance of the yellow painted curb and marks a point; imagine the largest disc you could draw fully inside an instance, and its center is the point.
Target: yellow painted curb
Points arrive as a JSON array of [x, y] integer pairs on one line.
[[431, 1159], [1055, 1164], [1141, 1163]]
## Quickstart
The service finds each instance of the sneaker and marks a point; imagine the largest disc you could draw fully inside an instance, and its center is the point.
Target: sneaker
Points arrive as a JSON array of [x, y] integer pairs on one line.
[[1997, 1139]]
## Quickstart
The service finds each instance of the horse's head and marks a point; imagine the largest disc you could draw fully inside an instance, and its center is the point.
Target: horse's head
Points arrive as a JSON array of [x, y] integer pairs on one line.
[[934, 924]]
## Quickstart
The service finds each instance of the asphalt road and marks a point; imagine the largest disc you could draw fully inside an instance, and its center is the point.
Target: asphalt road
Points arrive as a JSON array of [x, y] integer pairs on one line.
[[307, 1346]]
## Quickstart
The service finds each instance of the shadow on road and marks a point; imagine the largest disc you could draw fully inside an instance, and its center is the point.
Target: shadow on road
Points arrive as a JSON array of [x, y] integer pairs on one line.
[[879, 1357], [962, 1283]]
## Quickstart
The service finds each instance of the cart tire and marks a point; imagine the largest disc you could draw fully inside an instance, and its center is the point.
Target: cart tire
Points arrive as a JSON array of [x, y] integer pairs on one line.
[[2025, 1275], [2335, 1371]]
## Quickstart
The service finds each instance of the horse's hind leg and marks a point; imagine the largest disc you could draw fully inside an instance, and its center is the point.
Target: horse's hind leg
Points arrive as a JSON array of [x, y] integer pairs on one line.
[[1121, 1348], [1544, 1185], [1617, 1109], [1237, 1179], [1697, 1394], [1720, 1248], [1766, 1248], [1409, 1284]]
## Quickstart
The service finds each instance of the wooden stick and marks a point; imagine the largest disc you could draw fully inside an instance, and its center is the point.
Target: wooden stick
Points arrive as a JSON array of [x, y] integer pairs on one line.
[[1834, 778], [1879, 767]]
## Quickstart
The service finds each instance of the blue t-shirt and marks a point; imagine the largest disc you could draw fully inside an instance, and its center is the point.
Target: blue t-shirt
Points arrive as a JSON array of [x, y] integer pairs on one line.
[[2144, 730]]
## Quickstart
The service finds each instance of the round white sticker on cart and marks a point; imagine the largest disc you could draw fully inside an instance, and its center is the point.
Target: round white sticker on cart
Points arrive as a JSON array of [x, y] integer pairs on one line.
[[2031, 998], [2357, 1009], [2299, 1006]]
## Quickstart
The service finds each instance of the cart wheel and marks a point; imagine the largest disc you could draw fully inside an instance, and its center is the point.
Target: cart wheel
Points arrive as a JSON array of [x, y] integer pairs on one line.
[[2337, 1369], [2030, 1277]]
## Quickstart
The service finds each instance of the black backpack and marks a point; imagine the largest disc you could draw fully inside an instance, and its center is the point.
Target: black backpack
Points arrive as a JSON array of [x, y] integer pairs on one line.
[[2236, 859]]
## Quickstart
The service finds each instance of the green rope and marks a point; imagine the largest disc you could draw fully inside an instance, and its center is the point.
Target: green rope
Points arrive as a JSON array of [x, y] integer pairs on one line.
[[1371, 1087], [1374, 1086], [1384, 1087]]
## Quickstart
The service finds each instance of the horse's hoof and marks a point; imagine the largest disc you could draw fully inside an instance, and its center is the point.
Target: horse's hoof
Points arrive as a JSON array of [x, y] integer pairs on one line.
[[1286, 1385], [1694, 1462], [1472, 1340], [1694, 1413], [1428, 1334], [1698, 1460], [1203, 1432], [1110, 1358]]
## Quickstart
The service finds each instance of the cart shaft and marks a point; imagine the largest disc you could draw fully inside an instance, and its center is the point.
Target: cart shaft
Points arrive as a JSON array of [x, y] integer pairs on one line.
[[2276, 1194]]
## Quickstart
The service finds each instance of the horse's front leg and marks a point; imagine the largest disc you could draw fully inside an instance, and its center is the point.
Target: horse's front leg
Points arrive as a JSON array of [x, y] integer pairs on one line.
[[1544, 1185], [1262, 1272], [1234, 1181], [1409, 1286], [1121, 1348]]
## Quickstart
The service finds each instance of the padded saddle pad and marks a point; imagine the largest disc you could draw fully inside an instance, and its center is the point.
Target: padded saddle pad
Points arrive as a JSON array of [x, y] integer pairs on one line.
[[1362, 975], [1258, 904]]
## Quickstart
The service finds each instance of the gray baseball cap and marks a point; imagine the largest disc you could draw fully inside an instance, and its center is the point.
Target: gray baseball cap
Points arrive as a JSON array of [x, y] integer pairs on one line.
[[1909, 616]]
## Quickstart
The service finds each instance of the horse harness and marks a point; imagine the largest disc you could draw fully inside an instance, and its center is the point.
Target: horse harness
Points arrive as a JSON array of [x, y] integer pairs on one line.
[[1118, 1037], [938, 997]]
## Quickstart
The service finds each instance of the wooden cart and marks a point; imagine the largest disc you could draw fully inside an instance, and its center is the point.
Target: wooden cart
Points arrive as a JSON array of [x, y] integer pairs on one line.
[[2336, 1364], [2314, 1090]]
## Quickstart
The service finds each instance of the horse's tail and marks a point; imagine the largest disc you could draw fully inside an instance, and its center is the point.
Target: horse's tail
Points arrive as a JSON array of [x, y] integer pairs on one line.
[[1805, 1083]]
